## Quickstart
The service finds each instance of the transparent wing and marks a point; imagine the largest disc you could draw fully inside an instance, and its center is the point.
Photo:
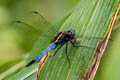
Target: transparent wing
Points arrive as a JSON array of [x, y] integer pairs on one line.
[[26, 31], [33, 25], [43, 20], [79, 38], [87, 41]]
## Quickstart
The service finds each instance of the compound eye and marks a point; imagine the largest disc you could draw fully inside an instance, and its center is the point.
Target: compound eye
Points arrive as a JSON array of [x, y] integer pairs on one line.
[[72, 32]]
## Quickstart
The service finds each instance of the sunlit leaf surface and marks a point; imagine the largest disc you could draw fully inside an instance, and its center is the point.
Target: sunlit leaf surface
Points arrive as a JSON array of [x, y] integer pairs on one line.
[[88, 18]]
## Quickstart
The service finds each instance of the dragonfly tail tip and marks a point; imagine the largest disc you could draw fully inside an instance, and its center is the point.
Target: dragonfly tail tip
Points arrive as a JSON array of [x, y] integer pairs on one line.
[[31, 62]]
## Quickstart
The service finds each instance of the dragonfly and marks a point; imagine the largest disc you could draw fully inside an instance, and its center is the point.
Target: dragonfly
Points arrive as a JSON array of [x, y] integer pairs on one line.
[[61, 39]]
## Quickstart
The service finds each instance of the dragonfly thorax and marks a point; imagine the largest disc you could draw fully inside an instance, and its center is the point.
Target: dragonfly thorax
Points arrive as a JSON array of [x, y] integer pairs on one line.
[[63, 37]]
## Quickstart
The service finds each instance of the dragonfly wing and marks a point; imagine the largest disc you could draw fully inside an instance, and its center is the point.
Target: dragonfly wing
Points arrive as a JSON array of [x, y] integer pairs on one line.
[[43, 20], [51, 47], [31, 27], [87, 41], [40, 20], [79, 38]]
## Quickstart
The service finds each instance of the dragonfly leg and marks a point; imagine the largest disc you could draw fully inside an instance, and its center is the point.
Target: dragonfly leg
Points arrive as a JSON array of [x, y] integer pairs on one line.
[[66, 53], [56, 50]]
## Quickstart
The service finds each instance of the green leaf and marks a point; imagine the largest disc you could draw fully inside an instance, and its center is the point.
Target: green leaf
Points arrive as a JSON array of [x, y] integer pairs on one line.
[[89, 18], [7, 65], [26, 72], [109, 67], [10, 68]]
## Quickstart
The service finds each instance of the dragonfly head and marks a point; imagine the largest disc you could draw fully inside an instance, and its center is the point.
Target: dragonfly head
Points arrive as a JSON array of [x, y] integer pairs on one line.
[[72, 32]]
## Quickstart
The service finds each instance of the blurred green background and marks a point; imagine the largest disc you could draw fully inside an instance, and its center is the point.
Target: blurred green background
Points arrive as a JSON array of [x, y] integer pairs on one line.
[[13, 46]]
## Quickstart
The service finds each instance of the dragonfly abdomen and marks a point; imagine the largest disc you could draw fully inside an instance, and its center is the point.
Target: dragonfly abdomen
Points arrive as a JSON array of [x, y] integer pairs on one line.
[[51, 47]]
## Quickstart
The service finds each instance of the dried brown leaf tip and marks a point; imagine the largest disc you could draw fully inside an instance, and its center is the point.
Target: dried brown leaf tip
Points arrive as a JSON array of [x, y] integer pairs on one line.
[[42, 62]]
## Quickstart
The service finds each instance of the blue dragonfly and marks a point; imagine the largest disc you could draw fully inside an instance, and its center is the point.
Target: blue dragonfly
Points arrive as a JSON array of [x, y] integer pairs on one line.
[[61, 39], [56, 43]]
